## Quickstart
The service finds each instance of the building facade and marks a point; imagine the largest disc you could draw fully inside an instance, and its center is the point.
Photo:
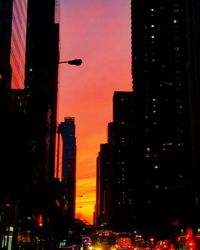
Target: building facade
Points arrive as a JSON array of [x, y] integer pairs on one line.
[[122, 187], [165, 69], [18, 43], [103, 183], [115, 197], [41, 76], [12, 37]]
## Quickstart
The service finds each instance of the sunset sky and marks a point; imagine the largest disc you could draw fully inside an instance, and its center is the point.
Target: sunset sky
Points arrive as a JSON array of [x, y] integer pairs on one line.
[[98, 32]]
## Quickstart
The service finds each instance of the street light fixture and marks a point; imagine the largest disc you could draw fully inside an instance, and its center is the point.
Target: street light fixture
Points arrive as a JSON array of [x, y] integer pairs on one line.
[[76, 62]]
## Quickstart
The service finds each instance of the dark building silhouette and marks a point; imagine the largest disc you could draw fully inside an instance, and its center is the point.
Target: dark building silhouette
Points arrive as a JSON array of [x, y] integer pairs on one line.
[[115, 198], [12, 65], [165, 59], [122, 188], [103, 183], [42, 57], [67, 130], [28, 190]]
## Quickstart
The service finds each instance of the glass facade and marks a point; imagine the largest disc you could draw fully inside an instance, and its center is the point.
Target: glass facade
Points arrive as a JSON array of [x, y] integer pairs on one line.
[[18, 43]]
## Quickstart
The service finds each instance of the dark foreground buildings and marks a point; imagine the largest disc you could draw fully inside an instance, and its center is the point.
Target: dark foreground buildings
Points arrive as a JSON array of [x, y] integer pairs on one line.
[[161, 182], [29, 57], [165, 54]]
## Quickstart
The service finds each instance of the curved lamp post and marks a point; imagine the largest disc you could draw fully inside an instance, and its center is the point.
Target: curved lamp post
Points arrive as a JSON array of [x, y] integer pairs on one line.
[[76, 62]]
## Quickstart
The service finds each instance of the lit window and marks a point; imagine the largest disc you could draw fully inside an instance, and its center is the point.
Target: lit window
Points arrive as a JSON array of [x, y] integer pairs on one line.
[[156, 167], [152, 9], [177, 48], [175, 21], [152, 25], [152, 37]]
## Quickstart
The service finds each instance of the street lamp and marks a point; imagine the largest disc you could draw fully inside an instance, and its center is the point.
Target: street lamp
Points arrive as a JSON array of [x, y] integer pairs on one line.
[[76, 62]]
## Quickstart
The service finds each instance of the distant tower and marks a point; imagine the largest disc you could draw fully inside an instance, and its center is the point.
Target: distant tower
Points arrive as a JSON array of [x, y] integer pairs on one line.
[[67, 129]]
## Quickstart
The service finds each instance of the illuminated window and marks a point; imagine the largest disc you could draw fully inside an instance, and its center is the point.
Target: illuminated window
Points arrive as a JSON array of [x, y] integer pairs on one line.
[[177, 48], [156, 167], [152, 25], [152, 37], [175, 21]]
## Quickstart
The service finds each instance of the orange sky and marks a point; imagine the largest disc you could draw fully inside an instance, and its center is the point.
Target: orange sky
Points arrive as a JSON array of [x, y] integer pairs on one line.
[[98, 32]]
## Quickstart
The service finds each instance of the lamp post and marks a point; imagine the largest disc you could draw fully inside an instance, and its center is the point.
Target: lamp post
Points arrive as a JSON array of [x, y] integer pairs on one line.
[[76, 62]]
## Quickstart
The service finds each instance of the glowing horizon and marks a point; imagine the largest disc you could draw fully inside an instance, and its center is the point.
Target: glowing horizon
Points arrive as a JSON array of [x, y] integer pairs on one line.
[[101, 37]]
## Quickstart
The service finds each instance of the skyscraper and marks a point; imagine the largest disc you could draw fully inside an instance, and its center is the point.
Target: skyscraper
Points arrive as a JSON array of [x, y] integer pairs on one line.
[[12, 64], [68, 133], [104, 178], [18, 43], [116, 170], [122, 186], [165, 63], [42, 57]]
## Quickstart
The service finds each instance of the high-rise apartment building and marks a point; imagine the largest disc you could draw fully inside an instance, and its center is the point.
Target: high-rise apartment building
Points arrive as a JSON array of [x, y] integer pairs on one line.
[[122, 186], [67, 129], [42, 57], [116, 197], [165, 52], [103, 180]]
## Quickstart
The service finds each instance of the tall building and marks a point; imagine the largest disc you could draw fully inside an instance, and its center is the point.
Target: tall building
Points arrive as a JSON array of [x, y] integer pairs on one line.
[[103, 180], [13, 41], [67, 129], [115, 196], [165, 52], [122, 187], [18, 43], [41, 74], [12, 63], [5, 44]]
